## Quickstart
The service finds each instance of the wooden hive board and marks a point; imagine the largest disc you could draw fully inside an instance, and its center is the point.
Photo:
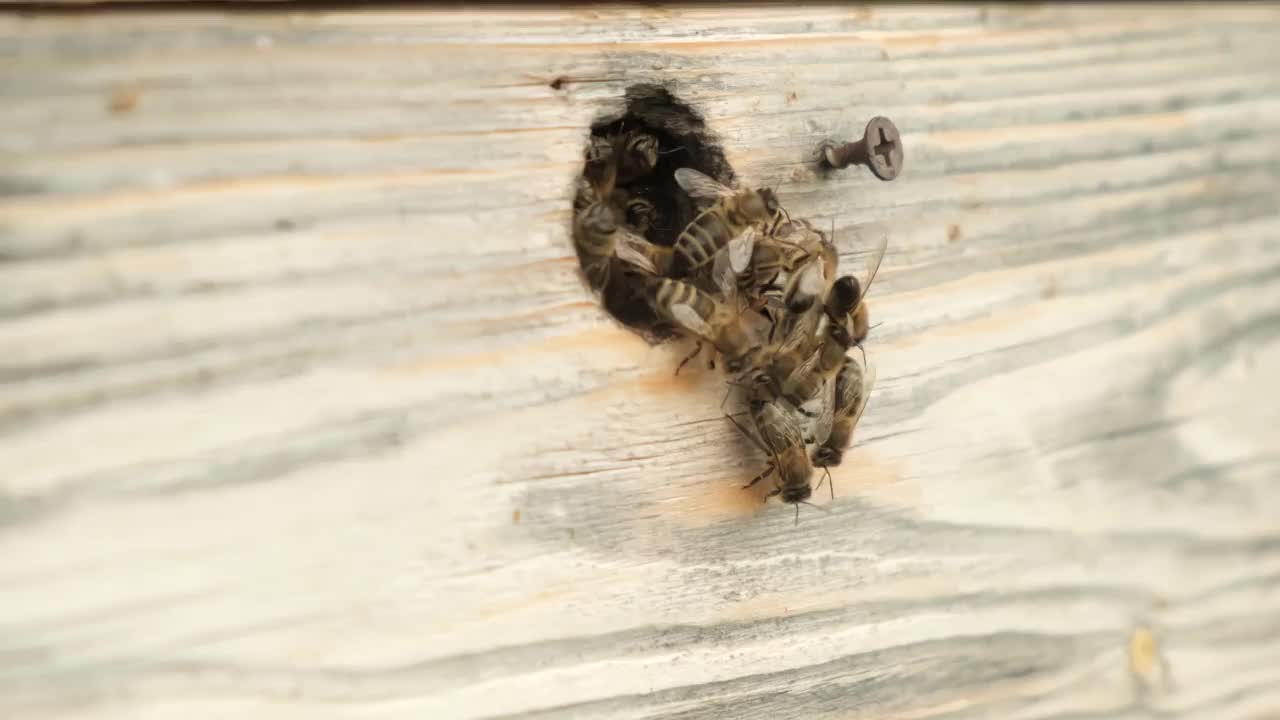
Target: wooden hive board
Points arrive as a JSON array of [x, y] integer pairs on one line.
[[305, 412]]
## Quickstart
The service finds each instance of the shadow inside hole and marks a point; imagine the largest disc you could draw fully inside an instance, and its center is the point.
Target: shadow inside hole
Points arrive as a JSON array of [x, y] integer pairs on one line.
[[683, 140]]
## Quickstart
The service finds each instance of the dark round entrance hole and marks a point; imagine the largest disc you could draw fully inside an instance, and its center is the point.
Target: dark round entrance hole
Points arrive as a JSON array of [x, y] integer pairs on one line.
[[683, 140]]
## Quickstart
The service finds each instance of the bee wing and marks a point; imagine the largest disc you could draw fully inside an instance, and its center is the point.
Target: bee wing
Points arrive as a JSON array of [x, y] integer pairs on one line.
[[827, 414], [631, 247], [741, 249], [877, 254], [721, 273], [810, 365], [868, 382], [733, 260], [790, 428], [689, 319], [849, 383], [698, 185], [813, 278], [799, 332], [779, 428]]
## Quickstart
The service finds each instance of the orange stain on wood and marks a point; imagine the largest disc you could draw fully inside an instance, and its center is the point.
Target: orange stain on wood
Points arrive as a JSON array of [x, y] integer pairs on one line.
[[593, 339], [707, 501], [869, 475], [123, 99]]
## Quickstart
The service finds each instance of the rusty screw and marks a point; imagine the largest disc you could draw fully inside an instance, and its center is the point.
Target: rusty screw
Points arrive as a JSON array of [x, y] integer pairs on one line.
[[879, 149]]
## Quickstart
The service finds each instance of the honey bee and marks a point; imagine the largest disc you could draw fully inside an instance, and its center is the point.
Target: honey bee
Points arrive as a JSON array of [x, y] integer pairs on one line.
[[707, 320], [778, 434], [790, 347], [600, 168], [640, 214], [732, 212], [733, 267], [632, 155], [846, 300], [806, 380], [841, 411], [809, 261], [637, 155], [599, 239]]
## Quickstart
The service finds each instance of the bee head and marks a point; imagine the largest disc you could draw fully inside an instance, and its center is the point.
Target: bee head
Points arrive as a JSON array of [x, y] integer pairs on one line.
[[827, 456], [645, 148], [844, 295], [761, 386], [797, 494], [640, 213]]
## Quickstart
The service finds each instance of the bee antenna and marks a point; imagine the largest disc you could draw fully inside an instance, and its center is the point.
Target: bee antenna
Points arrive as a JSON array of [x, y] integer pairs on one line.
[[797, 523], [816, 507], [831, 484]]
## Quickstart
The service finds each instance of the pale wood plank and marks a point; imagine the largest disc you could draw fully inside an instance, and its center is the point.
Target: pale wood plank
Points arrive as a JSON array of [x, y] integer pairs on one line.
[[305, 413]]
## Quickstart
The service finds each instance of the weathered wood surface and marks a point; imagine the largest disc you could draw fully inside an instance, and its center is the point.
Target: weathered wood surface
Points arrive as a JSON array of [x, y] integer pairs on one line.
[[304, 411]]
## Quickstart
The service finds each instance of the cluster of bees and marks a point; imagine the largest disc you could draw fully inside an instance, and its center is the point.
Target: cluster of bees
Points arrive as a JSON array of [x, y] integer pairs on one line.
[[744, 280]]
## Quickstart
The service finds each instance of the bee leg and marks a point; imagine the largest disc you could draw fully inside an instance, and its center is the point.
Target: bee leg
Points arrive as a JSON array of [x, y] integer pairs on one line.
[[697, 348], [767, 471], [826, 477]]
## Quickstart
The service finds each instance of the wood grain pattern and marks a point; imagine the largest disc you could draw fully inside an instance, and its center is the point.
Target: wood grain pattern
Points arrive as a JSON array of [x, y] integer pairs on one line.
[[304, 412]]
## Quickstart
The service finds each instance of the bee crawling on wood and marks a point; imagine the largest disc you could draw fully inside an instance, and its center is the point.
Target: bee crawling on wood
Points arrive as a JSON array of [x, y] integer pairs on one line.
[[842, 408], [777, 432], [807, 377], [707, 321], [846, 301], [731, 213]]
